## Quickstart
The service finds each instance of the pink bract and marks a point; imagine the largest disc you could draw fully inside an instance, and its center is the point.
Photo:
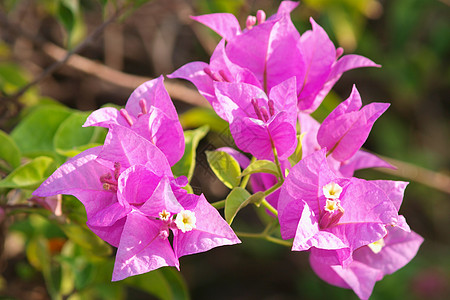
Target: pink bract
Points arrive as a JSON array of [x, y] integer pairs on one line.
[[149, 112]]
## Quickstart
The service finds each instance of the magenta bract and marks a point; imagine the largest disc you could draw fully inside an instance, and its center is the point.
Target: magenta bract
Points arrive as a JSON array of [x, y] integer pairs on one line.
[[370, 263], [319, 209], [149, 112]]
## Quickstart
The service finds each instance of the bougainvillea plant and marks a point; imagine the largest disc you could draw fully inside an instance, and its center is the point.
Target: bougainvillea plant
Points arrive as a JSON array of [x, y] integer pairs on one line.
[[265, 81]]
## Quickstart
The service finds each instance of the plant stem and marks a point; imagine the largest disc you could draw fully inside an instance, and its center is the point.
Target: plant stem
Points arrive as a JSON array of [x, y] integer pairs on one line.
[[265, 237], [219, 204], [246, 178], [269, 207]]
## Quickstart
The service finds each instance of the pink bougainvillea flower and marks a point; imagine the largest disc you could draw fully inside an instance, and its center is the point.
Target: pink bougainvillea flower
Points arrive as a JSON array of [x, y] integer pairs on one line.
[[133, 202], [370, 263], [220, 69], [324, 67], [257, 122], [149, 112], [271, 51], [360, 160], [319, 209], [92, 175], [152, 208], [347, 127]]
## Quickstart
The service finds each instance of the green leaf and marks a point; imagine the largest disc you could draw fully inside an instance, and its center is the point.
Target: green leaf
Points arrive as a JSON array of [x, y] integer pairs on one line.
[[235, 201], [261, 166], [69, 14], [29, 175], [186, 165], [71, 138], [82, 236], [9, 152], [200, 116], [165, 283], [36, 131], [38, 253], [225, 167]]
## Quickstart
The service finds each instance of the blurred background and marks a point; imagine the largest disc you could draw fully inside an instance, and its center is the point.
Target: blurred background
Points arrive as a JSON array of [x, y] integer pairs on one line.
[[123, 47]]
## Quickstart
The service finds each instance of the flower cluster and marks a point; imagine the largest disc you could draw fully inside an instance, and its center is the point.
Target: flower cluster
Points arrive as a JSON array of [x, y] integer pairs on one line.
[[131, 197], [264, 80]]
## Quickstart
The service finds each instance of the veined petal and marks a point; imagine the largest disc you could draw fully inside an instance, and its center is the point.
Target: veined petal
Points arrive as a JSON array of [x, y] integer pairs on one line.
[[141, 249], [155, 94], [225, 24], [128, 148], [136, 185], [400, 247], [308, 234], [80, 177], [110, 234], [162, 198], [104, 117], [210, 231], [362, 160], [347, 62], [319, 54], [163, 132]]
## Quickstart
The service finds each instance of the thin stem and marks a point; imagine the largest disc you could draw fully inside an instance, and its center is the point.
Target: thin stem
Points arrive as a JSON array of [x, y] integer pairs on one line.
[[264, 237], [246, 178], [277, 161], [219, 204], [249, 235], [56, 65], [278, 241], [269, 207], [273, 188]]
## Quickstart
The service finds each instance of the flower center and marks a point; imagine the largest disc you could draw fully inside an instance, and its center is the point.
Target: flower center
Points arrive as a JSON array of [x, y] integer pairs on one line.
[[110, 181], [261, 111], [251, 20], [332, 190], [220, 76], [333, 211], [377, 246], [185, 220], [164, 215]]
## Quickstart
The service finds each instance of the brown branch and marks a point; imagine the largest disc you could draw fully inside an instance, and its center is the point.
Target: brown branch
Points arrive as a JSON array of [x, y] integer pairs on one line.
[[129, 81], [62, 60], [438, 181]]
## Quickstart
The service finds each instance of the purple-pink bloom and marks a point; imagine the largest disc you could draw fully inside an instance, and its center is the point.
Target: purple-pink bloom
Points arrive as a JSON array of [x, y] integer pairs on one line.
[[149, 112], [370, 263], [259, 123], [267, 53], [133, 202], [92, 175], [360, 160], [154, 208], [347, 127], [319, 209]]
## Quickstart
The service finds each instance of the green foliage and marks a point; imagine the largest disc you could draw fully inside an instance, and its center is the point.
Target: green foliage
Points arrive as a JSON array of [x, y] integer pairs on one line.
[[71, 138], [261, 166], [34, 134], [29, 175], [69, 14], [186, 165], [84, 237], [9, 152], [164, 283], [199, 116], [236, 200], [225, 167]]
